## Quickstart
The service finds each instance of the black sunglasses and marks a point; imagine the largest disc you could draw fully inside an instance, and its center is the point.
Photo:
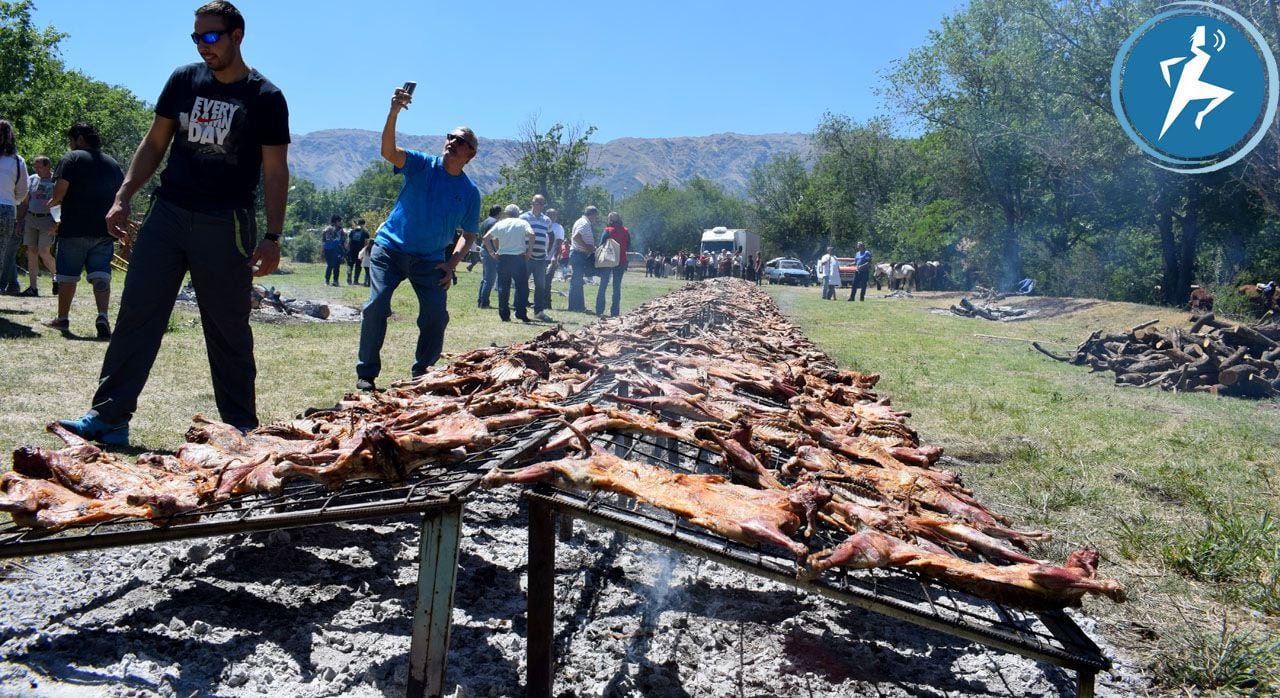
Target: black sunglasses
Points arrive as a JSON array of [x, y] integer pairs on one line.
[[458, 137], [208, 37]]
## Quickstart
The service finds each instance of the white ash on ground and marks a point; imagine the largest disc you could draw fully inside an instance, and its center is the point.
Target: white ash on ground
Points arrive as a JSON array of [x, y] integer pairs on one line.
[[325, 611]]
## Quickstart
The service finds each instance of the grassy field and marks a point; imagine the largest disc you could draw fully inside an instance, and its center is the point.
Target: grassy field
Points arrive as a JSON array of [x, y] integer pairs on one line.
[[1178, 492]]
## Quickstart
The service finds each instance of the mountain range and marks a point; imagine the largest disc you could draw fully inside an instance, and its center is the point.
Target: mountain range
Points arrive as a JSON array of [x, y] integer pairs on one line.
[[334, 158]]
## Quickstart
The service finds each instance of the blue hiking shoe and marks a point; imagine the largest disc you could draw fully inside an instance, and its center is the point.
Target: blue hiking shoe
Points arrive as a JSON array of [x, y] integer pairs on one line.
[[94, 429]]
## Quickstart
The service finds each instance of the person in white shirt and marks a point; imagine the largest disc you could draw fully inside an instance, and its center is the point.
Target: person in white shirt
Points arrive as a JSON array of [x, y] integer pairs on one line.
[[582, 257], [13, 192], [510, 241], [557, 232], [829, 272]]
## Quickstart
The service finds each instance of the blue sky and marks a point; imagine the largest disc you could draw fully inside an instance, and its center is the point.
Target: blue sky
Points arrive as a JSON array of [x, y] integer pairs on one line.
[[642, 69]]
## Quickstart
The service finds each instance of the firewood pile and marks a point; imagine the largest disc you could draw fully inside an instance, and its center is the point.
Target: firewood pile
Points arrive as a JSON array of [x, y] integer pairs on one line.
[[987, 310], [1211, 356], [811, 460]]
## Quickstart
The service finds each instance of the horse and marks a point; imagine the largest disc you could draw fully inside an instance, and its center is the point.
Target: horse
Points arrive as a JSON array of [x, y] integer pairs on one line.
[[883, 272], [904, 277], [927, 275]]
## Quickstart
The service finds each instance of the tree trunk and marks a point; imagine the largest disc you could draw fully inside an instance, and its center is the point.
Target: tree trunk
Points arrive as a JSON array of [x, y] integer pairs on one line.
[[1169, 253], [1190, 242]]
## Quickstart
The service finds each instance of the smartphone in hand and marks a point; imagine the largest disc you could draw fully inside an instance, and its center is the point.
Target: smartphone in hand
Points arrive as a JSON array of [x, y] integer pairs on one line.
[[410, 86]]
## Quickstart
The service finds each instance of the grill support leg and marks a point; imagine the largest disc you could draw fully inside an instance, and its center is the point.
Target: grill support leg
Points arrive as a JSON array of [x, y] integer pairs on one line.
[[432, 615], [542, 613], [1084, 683]]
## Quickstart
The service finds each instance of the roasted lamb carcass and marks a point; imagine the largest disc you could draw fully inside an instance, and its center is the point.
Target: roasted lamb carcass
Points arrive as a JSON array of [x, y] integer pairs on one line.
[[1029, 585], [160, 484], [734, 511], [39, 503]]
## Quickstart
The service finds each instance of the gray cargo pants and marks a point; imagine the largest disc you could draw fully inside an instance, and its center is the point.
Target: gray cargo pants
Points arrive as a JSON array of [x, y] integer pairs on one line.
[[215, 247]]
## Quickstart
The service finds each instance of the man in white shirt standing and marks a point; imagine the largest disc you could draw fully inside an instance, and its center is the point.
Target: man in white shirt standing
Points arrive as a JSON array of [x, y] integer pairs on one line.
[[509, 241], [557, 239], [582, 257], [829, 272]]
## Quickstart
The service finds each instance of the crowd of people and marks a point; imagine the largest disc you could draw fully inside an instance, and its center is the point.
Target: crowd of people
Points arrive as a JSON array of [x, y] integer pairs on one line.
[[349, 245], [704, 265]]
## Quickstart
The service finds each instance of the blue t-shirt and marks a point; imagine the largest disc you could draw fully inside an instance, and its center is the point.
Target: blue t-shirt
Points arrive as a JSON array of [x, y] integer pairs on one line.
[[431, 206], [861, 259]]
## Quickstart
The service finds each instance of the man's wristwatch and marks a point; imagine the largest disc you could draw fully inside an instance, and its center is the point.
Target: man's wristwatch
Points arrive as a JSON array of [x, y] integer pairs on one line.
[[273, 237]]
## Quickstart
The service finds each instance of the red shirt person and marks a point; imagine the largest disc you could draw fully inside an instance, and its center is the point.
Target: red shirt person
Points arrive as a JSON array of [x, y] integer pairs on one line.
[[615, 231]]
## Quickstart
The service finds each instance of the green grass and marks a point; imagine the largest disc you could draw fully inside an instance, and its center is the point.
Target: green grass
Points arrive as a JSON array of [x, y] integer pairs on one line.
[[1221, 660], [1177, 491]]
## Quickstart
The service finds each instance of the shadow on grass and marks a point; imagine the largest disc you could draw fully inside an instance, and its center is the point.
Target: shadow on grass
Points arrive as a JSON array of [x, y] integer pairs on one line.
[[1049, 307], [14, 330]]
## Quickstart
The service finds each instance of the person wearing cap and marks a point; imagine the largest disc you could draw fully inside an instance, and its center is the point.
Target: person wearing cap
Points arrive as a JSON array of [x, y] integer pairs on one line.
[[510, 241], [413, 244]]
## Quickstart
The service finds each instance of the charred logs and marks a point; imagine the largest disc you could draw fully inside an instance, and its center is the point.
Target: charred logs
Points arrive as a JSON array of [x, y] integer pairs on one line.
[[1211, 355]]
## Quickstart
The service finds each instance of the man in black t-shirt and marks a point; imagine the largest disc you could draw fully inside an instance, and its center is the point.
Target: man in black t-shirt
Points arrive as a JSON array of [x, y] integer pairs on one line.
[[87, 180], [355, 242], [223, 123]]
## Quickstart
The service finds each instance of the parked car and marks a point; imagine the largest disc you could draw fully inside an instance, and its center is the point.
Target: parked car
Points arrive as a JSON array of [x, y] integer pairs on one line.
[[784, 270], [846, 271]]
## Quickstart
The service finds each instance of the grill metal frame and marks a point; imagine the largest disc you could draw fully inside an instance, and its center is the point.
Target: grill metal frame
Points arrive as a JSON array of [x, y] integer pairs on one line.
[[1048, 636]]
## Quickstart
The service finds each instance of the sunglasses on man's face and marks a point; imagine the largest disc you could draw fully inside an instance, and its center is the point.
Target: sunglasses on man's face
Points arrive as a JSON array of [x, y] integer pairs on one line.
[[457, 137], [208, 37]]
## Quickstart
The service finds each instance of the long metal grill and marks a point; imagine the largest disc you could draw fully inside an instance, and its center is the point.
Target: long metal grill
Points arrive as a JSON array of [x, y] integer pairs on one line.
[[299, 503], [1047, 636]]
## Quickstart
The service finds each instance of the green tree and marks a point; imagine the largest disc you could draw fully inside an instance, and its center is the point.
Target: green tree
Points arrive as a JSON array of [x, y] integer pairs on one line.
[[43, 99], [553, 163]]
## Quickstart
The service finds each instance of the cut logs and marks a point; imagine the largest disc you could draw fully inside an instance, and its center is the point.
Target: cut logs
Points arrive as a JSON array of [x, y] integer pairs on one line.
[[987, 310], [264, 297], [1210, 356]]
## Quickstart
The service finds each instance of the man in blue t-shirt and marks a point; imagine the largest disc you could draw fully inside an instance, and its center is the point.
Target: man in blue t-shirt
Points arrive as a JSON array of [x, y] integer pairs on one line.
[[861, 273], [436, 200]]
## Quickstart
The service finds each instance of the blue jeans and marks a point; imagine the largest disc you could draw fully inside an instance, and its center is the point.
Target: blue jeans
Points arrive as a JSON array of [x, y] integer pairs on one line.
[[541, 285], [386, 270], [333, 264], [513, 271], [9, 242], [488, 278], [583, 264], [88, 256], [605, 274]]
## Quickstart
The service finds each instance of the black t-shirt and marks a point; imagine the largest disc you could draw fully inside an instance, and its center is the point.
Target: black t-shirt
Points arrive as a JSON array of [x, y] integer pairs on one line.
[[355, 239], [216, 155], [93, 179]]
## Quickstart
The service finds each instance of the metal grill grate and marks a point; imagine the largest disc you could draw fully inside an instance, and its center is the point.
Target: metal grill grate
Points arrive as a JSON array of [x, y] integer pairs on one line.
[[298, 504], [1047, 636]]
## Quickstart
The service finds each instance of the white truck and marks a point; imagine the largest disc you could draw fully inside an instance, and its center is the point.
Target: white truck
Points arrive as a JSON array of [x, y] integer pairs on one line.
[[731, 239]]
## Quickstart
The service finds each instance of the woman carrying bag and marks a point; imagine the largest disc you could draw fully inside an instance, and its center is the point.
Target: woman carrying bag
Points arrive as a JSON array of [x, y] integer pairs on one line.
[[614, 232]]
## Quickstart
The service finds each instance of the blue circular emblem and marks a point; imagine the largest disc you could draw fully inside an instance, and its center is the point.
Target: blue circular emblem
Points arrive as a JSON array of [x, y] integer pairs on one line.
[[1195, 87]]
